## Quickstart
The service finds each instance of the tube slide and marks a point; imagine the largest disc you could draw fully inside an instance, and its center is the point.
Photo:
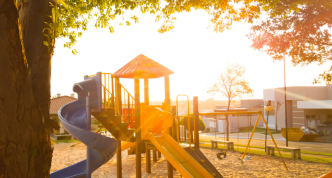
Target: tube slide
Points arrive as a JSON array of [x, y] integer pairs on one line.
[[178, 157], [73, 118]]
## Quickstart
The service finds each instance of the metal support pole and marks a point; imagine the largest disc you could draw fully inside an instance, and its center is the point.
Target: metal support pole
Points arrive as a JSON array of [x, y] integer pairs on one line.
[[285, 104], [88, 149], [252, 134], [196, 121], [275, 144], [266, 129]]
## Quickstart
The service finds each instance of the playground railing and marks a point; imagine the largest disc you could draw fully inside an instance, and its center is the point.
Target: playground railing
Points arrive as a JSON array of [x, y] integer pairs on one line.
[[114, 95]]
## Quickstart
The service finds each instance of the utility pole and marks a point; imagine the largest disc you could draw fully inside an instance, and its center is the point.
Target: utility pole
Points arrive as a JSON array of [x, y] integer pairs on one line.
[[285, 104]]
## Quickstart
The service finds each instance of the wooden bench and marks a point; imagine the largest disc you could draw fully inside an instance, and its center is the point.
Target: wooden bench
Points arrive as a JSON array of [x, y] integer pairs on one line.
[[65, 135], [214, 144], [296, 152]]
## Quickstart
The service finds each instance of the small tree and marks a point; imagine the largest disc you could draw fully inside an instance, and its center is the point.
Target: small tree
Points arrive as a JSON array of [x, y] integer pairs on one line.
[[277, 109], [231, 84], [201, 125]]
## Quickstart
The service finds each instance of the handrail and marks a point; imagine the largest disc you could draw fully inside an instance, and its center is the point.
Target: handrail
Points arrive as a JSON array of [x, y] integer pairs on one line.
[[124, 88], [91, 75], [118, 112], [188, 121], [109, 85]]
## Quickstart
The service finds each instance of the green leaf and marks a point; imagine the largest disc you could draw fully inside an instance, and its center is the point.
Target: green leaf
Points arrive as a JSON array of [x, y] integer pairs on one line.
[[111, 29], [74, 51], [45, 43]]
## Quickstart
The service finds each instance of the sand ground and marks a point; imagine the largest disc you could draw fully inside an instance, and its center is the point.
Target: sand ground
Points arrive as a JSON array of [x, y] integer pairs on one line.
[[257, 166]]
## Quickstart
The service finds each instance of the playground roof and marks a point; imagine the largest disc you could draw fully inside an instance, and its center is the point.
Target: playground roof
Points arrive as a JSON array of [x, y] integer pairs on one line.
[[142, 67]]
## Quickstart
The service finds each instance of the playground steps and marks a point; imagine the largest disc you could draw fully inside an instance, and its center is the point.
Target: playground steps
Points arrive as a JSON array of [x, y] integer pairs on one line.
[[113, 124], [203, 161]]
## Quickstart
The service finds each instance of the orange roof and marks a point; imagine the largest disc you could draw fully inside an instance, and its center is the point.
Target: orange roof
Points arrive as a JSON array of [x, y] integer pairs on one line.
[[58, 102], [142, 67]]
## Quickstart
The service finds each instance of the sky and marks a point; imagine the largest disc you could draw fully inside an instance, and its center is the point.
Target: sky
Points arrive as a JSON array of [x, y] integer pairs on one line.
[[196, 54]]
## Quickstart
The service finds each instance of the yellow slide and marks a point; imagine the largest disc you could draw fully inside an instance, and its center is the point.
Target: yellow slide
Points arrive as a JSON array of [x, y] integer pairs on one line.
[[178, 157], [126, 145]]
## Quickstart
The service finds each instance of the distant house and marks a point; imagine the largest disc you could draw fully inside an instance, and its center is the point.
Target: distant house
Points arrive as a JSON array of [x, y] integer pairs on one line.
[[309, 106], [235, 122], [56, 103]]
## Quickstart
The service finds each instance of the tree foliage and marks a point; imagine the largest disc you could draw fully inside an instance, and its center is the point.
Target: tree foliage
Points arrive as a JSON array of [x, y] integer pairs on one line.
[[231, 83], [72, 16], [296, 28], [300, 29], [184, 121]]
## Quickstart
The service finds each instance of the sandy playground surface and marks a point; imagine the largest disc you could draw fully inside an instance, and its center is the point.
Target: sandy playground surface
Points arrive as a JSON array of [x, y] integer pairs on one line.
[[257, 166]]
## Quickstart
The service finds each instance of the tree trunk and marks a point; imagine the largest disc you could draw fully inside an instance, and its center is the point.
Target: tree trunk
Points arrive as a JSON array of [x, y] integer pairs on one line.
[[32, 15], [25, 149], [276, 120], [227, 123]]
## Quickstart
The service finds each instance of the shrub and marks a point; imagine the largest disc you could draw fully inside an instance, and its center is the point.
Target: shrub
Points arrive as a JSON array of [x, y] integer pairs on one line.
[[201, 125]]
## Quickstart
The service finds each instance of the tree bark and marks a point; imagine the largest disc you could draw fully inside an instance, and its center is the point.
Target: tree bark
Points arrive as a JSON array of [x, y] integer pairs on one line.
[[25, 149], [276, 120], [32, 15]]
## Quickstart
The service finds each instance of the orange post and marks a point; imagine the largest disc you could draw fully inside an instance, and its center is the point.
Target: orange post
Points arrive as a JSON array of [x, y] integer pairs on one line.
[[138, 129]]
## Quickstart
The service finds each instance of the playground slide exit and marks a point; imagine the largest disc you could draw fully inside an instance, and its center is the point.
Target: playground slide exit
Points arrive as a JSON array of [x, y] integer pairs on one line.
[[73, 118], [127, 145], [178, 157]]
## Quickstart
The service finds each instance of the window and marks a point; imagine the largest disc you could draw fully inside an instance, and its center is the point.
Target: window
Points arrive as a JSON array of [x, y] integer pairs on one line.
[[310, 116]]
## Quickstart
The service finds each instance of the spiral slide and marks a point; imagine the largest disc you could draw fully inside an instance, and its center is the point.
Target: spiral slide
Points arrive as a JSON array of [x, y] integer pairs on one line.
[[101, 149]]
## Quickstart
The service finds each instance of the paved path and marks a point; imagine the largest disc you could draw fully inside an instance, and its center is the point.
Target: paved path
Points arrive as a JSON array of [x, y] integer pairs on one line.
[[258, 140]]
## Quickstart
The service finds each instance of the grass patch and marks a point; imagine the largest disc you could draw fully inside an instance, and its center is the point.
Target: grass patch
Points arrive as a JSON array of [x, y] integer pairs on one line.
[[284, 155], [65, 141], [257, 130], [261, 147], [316, 153]]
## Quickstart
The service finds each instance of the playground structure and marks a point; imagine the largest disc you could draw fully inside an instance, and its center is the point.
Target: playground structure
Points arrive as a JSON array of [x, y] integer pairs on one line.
[[133, 124]]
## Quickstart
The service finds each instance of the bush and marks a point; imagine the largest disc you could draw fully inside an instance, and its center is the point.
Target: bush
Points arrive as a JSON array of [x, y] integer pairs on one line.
[[201, 125]]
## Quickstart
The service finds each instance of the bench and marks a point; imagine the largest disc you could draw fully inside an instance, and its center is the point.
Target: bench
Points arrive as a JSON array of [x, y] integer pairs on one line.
[[65, 135], [214, 144], [296, 152]]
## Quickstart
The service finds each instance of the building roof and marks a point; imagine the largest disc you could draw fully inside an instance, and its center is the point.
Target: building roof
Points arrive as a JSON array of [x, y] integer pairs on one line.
[[142, 67], [58, 102]]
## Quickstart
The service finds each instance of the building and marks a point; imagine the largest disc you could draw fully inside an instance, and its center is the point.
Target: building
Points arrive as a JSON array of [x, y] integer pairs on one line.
[[309, 106], [235, 121], [56, 103]]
